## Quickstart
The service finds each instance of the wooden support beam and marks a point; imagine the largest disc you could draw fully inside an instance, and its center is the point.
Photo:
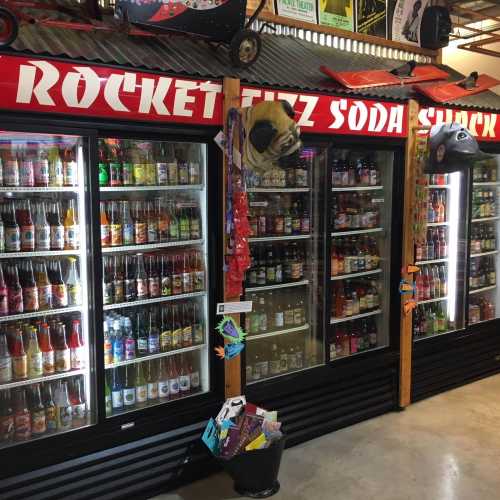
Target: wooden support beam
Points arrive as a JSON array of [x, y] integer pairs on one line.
[[232, 368], [406, 340]]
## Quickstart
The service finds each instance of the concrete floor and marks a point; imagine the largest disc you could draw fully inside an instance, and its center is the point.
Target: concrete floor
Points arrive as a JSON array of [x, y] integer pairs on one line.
[[443, 448]]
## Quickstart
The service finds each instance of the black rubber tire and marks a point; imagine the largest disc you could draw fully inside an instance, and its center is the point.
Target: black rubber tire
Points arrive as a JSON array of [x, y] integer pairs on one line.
[[244, 48], [9, 27]]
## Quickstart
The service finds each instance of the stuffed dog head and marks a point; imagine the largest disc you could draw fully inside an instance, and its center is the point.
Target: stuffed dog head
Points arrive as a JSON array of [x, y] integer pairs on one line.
[[271, 135]]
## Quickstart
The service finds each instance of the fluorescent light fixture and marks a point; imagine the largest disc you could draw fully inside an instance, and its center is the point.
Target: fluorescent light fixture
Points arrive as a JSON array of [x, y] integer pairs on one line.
[[454, 221]]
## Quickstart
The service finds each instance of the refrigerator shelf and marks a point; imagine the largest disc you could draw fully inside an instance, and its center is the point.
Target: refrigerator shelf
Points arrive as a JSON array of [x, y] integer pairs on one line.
[[356, 188], [45, 378], [156, 300], [121, 189], [438, 186], [483, 289], [437, 224], [433, 261], [151, 246], [357, 231], [50, 312], [278, 332], [423, 337], [155, 356], [486, 219], [275, 287], [273, 377], [355, 275], [41, 253], [430, 301], [334, 321], [279, 238], [278, 190], [489, 183], [62, 189], [482, 254]]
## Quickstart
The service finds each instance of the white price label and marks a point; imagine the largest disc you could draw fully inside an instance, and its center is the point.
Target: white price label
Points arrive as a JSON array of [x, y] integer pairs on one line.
[[258, 203], [234, 307], [378, 200]]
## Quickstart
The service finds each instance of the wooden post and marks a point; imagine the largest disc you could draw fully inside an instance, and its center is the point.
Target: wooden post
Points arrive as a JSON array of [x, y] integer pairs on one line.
[[406, 340], [232, 368]]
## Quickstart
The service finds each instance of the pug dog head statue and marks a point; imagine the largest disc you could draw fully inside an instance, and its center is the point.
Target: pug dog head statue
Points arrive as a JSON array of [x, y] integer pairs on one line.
[[271, 135]]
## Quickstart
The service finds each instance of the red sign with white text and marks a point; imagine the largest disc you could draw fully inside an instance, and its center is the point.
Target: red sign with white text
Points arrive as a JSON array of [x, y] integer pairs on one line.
[[31, 84], [484, 126]]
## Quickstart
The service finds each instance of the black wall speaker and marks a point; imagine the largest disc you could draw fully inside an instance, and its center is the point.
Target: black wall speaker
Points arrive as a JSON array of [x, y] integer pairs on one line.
[[435, 28]]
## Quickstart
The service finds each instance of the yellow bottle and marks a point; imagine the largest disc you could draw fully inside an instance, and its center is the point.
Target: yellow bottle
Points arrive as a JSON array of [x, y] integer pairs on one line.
[[71, 234], [35, 360]]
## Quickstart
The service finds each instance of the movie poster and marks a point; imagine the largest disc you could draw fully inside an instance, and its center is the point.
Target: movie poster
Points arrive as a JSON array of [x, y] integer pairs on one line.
[[303, 10], [337, 13], [253, 4], [371, 17], [406, 21]]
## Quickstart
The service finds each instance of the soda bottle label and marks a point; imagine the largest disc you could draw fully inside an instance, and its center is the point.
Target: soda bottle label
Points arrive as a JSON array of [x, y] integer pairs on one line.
[[12, 239], [45, 297], [153, 390], [153, 344], [142, 288], [166, 286], [177, 338], [139, 174], [11, 173], [57, 237], [141, 233], [38, 422], [108, 352], [70, 173], [63, 360], [59, 295], [48, 362], [198, 333], [28, 238], [74, 294], [195, 381], [199, 281], [41, 168], [150, 172], [129, 348], [22, 426], [35, 364], [187, 335], [141, 393], [163, 389], [115, 174], [162, 173], [129, 396], [71, 237], [105, 235], [173, 173], [118, 350], [185, 383], [173, 386], [128, 174], [130, 291], [142, 344], [42, 237], [108, 403], [187, 283], [30, 299], [76, 358], [15, 298], [103, 174], [5, 370], [154, 287], [118, 291], [26, 174], [195, 229], [116, 235], [152, 232], [7, 428], [117, 399], [166, 340], [128, 234], [176, 284]]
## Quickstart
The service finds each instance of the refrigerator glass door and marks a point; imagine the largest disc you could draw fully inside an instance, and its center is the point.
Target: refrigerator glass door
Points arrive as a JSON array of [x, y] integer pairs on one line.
[[46, 386], [154, 246], [484, 295]]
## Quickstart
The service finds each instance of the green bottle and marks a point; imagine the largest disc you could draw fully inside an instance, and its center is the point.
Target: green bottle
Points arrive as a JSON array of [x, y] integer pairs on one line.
[[107, 398], [184, 226], [103, 174]]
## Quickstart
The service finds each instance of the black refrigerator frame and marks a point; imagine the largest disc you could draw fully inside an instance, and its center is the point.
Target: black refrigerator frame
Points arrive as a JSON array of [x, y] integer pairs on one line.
[[107, 433], [455, 359], [336, 394]]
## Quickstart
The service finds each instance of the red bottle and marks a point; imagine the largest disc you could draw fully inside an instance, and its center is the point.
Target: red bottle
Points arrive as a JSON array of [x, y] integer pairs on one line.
[[22, 416], [27, 227], [76, 346], [14, 291], [62, 351], [48, 359], [4, 302], [30, 289]]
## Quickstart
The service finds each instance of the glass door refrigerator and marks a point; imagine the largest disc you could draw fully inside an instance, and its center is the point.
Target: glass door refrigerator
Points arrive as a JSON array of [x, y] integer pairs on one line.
[[47, 384]]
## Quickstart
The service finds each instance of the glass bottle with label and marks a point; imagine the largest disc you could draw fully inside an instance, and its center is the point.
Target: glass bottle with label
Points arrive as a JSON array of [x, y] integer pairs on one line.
[[141, 335], [59, 288], [108, 398], [127, 223], [37, 410], [76, 347], [116, 391], [19, 357], [141, 386], [5, 361], [141, 278], [50, 408], [115, 226], [73, 283], [35, 357], [56, 228], [27, 228], [6, 417], [22, 415], [163, 387], [105, 229], [62, 352], [152, 380], [153, 334], [42, 228], [63, 407], [129, 388], [78, 403], [4, 300], [41, 168], [71, 233], [48, 359], [12, 230]]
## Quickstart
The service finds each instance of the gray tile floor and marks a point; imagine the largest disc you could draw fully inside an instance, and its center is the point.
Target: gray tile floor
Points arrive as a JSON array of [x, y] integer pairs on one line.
[[443, 448]]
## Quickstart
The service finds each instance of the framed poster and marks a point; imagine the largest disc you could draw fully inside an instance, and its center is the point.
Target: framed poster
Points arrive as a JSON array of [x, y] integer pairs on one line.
[[253, 4], [406, 21], [371, 17], [303, 10], [337, 13]]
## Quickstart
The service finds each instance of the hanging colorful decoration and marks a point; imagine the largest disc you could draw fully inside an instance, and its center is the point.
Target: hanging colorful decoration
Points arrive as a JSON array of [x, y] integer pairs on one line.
[[234, 336]]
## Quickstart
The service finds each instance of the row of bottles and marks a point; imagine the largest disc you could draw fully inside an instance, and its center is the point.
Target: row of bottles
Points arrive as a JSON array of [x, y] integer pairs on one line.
[[159, 329], [484, 172], [434, 247], [37, 349], [141, 222], [481, 308], [37, 165], [436, 205], [277, 177], [274, 311], [359, 336], [430, 319], [272, 265], [354, 255], [150, 382], [431, 282], [37, 226], [132, 163], [355, 211], [38, 285], [352, 297], [355, 172], [483, 203], [40, 409], [279, 221], [483, 238], [482, 272], [127, 278]]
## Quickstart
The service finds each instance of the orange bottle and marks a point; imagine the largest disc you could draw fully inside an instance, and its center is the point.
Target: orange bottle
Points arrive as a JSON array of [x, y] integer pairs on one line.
[[105, 229]]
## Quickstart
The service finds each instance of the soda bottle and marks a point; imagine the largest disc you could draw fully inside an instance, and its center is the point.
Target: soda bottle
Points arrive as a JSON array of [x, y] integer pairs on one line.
[[130, 289], [62, 354], [48, 359], [73, 285], [11, 167], [115, 226], [22, 416], [152, 380], [163, 221], [177, 329], [115, 168], [153, 277], [30, 289], [141, 387], [141, 278], [127, 224], [56, 177], [42, 228], [78, 403], [41, 169], [172, 168], [105, 229], [174, 230], [142, 336], [177, 276], [56, 228], [184, 226], [108, 345], [19, 357], [4, 295], [194, 224], [153, 335], [183, 171], [184, 378], [71, 230], [118, 282], [37, 410], [129, 339], [166, 276], [198, 330], [118, 342], [44, 287], [187, 327], [50, 408], [64, 411], [165, 331], [173, 379], [108, 400], [34, 355], [77, 359], [152, 222], [5, 361], [116, 390], [70, 168], [129, 388], [6, 418], [140, 225], [12, 230], [27, 229], [161, 166], [163, 387], [2, 232], [187, 276], [194, 170], [59, 288]]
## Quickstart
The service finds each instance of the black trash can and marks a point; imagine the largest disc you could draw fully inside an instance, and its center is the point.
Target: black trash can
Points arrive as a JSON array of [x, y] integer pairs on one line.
[[255, 473]]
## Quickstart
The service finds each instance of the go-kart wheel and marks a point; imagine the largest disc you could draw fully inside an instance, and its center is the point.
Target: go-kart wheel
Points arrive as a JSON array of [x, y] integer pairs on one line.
[[8, 27], [245, 48]]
